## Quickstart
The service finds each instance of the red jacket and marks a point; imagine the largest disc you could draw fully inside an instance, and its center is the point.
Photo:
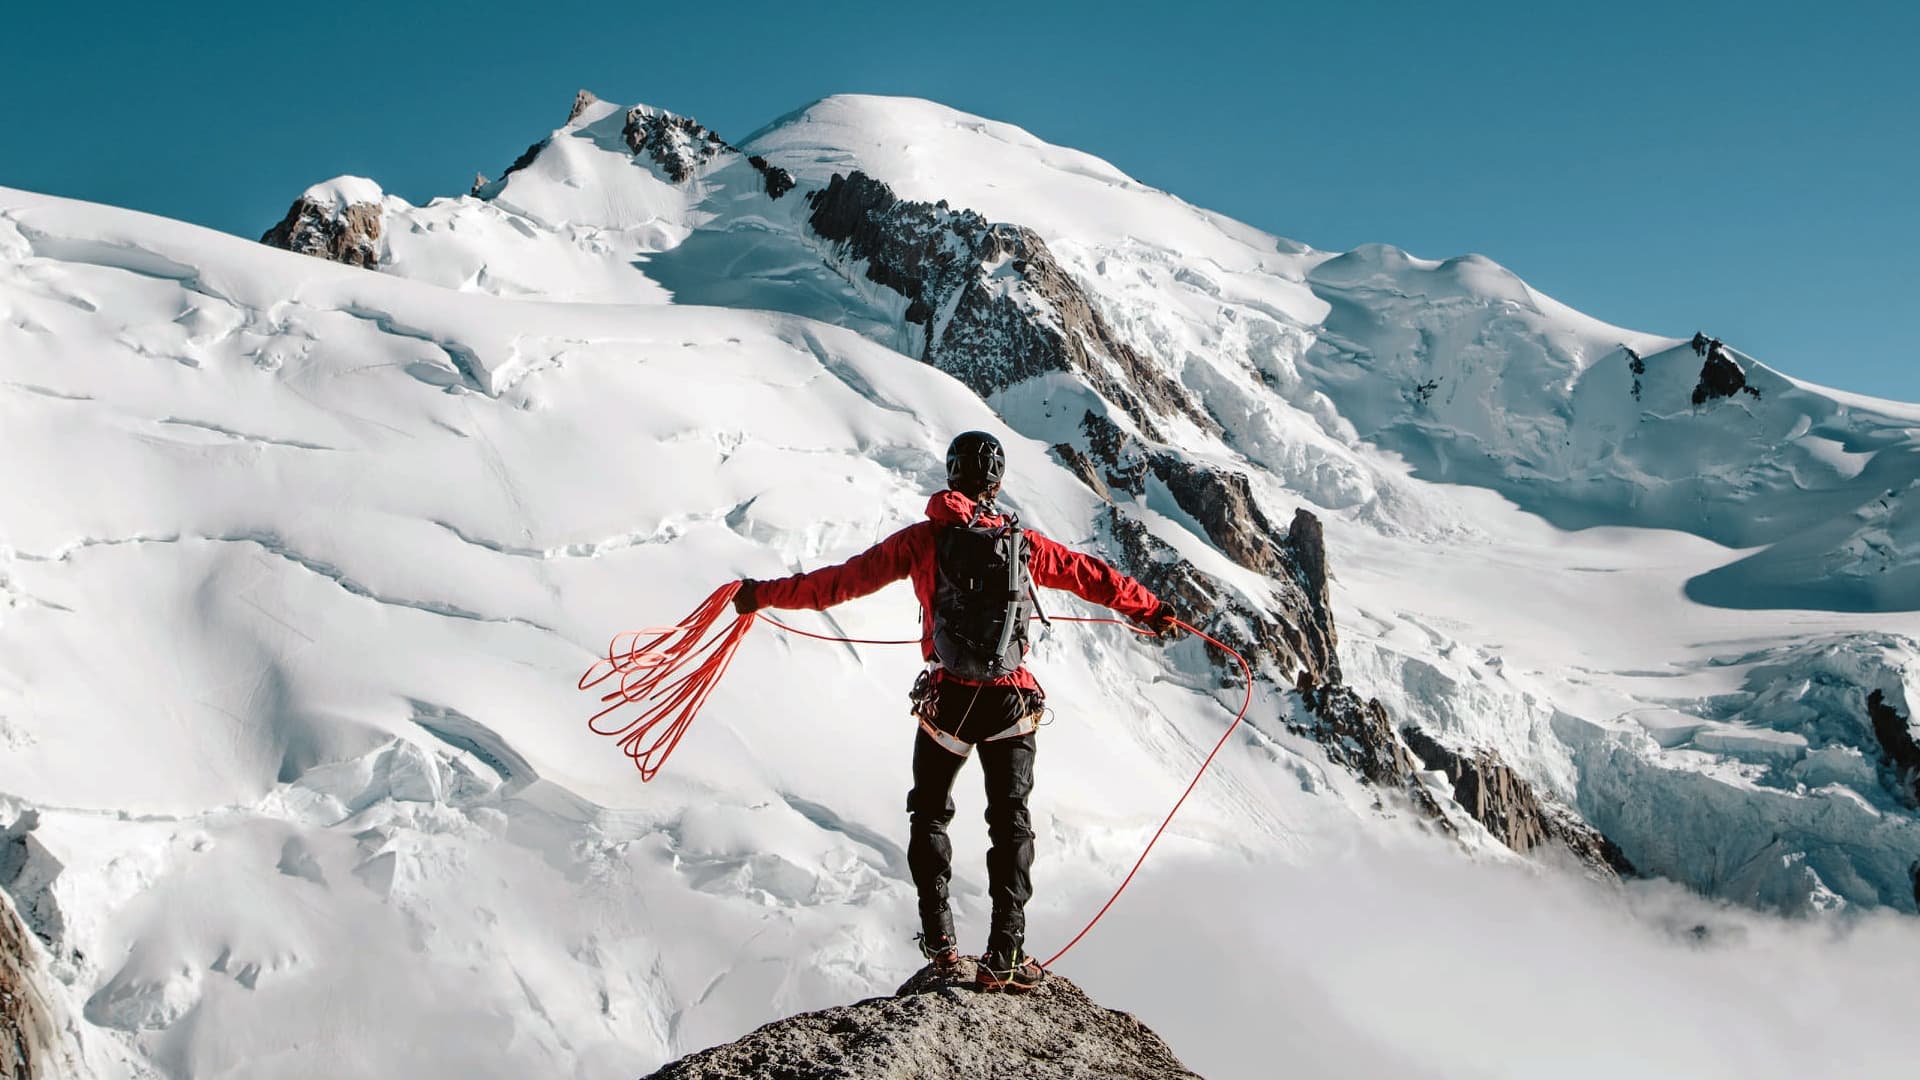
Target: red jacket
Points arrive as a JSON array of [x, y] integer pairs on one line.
[[909, 552]]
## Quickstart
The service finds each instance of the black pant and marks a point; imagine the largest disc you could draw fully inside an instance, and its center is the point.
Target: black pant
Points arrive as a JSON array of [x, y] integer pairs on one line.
[[974, 712]]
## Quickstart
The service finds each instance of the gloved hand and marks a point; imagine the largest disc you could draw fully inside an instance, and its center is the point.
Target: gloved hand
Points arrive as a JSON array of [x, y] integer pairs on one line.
[[744, 601], [1164, 622]]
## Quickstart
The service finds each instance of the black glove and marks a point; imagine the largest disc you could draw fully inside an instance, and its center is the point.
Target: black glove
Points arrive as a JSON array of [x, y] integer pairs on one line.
[[744, 601], [1164, 622]]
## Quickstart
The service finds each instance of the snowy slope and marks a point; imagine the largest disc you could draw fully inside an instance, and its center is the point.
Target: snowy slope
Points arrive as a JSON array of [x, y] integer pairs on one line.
[[1370, 386], [307, 559], [297, 589]]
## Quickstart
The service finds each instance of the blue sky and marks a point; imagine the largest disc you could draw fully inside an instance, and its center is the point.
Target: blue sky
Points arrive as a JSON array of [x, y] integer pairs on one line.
[[1748, 169]]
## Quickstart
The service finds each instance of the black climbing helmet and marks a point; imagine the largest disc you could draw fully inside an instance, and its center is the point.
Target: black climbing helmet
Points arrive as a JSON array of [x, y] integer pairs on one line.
[[975, 463]]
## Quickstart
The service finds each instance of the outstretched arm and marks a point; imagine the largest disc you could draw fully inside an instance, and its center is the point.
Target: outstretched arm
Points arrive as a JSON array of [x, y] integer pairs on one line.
[[1056, 566], [883, 563]]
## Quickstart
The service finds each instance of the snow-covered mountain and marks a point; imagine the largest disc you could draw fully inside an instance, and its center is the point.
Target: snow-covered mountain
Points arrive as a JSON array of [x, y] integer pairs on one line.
[[304, 560]]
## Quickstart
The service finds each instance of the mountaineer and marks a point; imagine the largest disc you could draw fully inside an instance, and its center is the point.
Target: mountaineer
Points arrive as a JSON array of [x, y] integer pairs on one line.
[[973, 569]]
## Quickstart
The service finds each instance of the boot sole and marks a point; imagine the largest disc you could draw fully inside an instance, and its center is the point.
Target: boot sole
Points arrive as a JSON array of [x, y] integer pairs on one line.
[[1008, 986]]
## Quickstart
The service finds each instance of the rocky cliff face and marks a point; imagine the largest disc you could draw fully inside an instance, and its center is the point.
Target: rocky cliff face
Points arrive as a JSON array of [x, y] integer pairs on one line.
[[681, 146], [1902, 750], [1721, 376], [994, 307], [1510, 808], [29, 1045], [344, 232], [938, 1028], [678, 144]]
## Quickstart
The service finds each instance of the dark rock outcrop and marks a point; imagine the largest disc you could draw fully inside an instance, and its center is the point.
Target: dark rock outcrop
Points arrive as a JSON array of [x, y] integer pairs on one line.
[[344, 234], [1897, 741], [1306, 549], [681, 146], [939, 1028], [526, 158], [1082, 466], [28, 1048], [1721, 376], [778, 181], [1273, 648], [1122, 457], [995, 307], [1222, 502], [1358, 735], [1291, 640], [1503, 801], [678, 144]]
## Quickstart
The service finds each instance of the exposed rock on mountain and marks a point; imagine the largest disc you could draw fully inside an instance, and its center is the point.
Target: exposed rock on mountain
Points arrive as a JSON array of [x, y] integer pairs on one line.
[[1896, 737], [1306, 548], [339, 220], [682, 146], [1359, 736], [1503, 801], [1721, 376], [937, 1027], [525, 159], [778, 180], [1222, 502], [28, 1037], [1303, 639], [581, 99], [995, 307], [678, 144], [1299, 638]]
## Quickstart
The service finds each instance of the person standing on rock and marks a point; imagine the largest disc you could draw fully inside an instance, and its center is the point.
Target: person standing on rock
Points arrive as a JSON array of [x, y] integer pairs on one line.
[[974, 570]]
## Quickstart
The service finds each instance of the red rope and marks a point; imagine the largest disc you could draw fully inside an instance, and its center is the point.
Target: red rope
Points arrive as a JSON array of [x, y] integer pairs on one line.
[[1244, 706], [648, 678], [848, 640]]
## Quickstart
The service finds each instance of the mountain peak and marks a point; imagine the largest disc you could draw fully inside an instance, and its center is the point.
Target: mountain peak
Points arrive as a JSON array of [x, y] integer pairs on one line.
[[338, 219]]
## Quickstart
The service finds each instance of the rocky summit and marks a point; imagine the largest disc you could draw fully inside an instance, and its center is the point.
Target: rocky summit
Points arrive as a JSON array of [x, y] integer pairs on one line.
[[937, 1026]]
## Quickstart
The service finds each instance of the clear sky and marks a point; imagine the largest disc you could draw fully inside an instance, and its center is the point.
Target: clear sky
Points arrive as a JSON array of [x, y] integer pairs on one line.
[[1750, 169]]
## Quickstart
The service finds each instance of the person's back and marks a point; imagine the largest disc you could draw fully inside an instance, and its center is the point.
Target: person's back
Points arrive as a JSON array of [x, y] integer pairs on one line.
[[995, 705]]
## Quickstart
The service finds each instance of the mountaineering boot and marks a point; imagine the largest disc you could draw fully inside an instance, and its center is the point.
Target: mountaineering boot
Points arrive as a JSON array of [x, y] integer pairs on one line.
[[1012, 973], [937, 941]]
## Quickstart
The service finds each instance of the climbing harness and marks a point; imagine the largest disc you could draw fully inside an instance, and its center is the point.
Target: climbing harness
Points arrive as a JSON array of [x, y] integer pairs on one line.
[[669, 671]]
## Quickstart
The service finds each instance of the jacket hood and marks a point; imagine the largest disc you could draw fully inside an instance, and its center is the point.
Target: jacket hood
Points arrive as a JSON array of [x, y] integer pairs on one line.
[[952, 508]]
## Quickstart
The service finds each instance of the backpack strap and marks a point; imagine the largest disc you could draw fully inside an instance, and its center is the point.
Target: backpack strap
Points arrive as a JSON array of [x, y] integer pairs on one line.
[[1010, 624]]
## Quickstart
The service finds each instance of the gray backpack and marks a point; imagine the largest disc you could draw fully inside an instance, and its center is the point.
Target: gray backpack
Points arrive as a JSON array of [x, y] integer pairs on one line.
[[982, 598]]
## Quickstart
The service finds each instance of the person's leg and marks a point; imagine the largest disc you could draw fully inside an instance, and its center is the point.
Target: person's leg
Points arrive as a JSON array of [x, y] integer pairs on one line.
[[1008, 764], [929, 852]]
